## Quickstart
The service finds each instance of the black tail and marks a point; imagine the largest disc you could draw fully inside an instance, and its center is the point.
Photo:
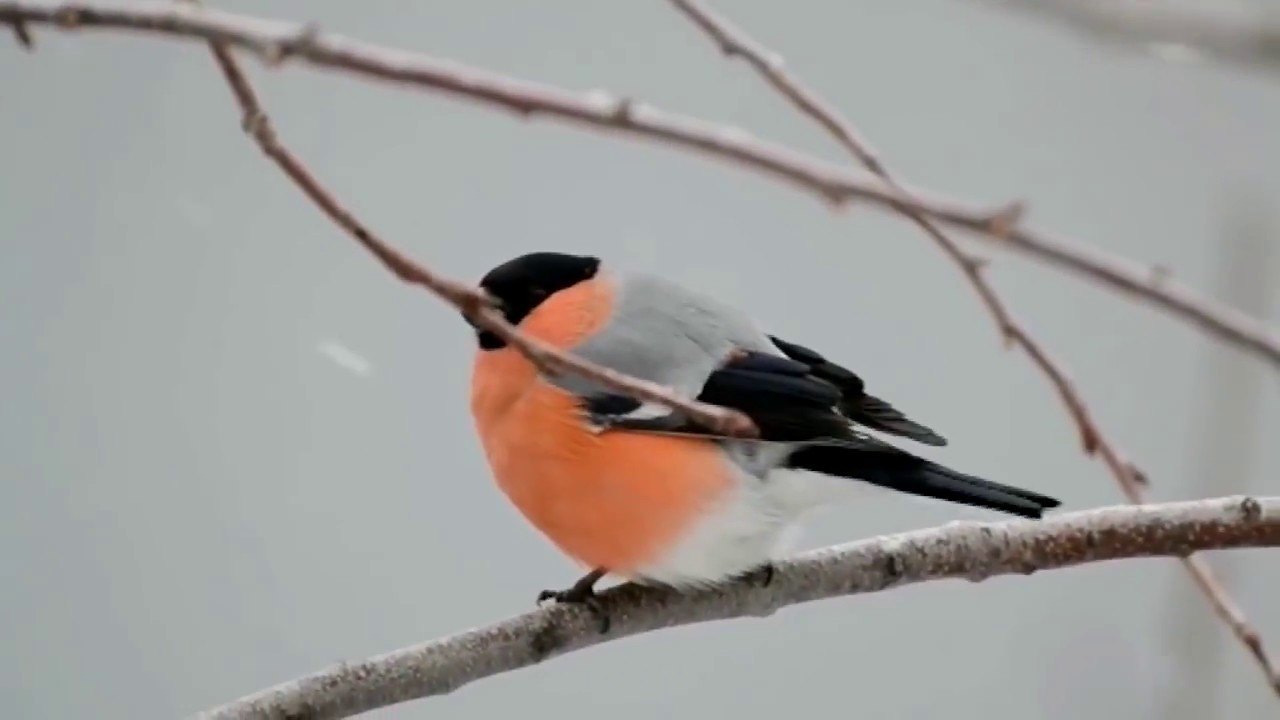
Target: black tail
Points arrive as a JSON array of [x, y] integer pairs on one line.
[[889, 467]]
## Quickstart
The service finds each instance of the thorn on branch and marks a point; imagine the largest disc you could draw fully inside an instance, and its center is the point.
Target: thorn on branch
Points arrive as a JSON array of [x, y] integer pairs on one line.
[[258, 126], [277, 53], [1139, 476], [624, 111], [1251, 638], [837, 200], [1004, 221], [66, 18], [1089, 440], [23, 35], [1010, 335], [876, 167]]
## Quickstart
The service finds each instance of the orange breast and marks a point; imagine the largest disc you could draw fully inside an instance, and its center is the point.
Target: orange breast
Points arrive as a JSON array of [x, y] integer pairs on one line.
[[614, 500]]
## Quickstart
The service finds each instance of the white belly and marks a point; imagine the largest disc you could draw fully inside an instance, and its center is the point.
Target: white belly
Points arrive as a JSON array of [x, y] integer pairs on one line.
[[756, 523]]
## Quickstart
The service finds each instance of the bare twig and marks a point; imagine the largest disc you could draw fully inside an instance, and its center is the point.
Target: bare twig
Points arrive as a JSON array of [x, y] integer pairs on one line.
[[1174, 30], [735, 42], [275, 41], [974, 551], [1151, 284], [470, 301]]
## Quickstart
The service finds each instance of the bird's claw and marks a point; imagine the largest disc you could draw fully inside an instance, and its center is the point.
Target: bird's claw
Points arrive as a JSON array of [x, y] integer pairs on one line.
[[572, 596], [581, 593], [762, 575]]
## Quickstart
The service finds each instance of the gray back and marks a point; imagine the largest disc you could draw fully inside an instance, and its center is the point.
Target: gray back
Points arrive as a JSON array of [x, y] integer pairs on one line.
[[667, 333]]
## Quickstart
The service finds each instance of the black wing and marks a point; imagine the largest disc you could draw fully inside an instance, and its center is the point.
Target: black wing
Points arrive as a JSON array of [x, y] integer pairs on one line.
[[799, 397], [781, 396], [806, 399], [855, 403]]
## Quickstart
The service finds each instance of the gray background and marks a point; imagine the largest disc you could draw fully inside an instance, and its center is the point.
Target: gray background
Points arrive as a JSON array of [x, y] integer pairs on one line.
[[199, 498]]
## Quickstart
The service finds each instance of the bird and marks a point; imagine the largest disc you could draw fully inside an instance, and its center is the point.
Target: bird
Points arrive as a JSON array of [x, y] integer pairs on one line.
[[642, 492]]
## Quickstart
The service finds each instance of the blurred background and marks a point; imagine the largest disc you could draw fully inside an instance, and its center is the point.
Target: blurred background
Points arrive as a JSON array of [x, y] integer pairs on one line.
[[233, 450]]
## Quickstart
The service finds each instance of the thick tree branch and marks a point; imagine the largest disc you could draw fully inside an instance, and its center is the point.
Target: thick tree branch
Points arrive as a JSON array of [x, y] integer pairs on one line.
[[275, 41], [735, 42], [973, 551], [1247, 39]]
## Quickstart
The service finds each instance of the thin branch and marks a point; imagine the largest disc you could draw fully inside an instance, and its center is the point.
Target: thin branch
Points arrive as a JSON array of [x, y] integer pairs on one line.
[[1172, 30], [470, 301], [1152, 284], [275, 41], [734, 42], [973, 551]]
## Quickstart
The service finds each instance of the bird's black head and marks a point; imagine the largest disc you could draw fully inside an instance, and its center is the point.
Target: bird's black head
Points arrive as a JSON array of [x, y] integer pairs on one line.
[[522, 284]]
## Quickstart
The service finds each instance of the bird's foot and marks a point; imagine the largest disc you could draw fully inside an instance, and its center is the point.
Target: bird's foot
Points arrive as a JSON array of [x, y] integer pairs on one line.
[[762, 575], [582, 593]]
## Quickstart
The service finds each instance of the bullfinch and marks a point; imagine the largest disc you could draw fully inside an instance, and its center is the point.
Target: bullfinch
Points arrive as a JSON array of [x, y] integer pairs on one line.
[[640, 492]]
